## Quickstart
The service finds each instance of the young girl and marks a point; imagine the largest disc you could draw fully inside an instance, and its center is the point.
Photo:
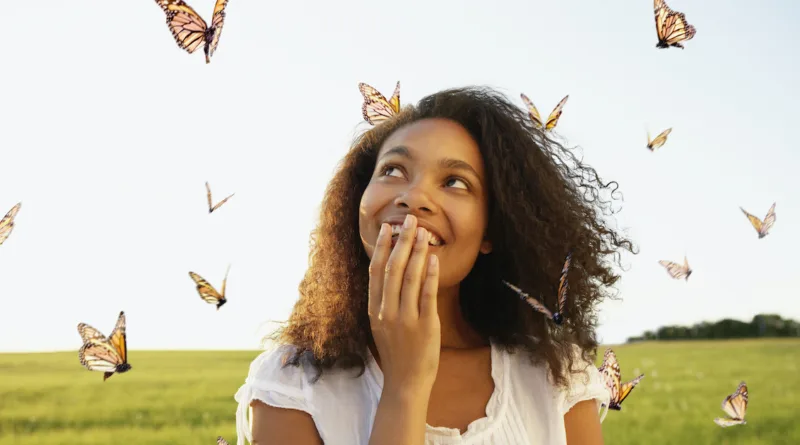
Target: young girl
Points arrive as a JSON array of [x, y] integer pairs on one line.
[[404, 332]]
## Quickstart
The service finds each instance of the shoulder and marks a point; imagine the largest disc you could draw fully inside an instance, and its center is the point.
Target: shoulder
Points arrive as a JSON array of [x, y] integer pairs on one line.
[[584, 381], [271, 381], [270, 371], [275, 384], [270, 368]]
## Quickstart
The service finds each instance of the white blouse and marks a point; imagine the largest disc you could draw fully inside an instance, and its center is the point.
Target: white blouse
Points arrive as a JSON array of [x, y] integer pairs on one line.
[[524, 409]]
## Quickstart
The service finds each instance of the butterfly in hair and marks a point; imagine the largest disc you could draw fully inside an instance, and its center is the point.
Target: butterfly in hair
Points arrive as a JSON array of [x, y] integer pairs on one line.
[[671, 26], [735, 406], [376, 108], [552, 120], [762, 227], [105, 354], [190, 30], [612, 377], [563, 286], [7, 223], [207, 291]]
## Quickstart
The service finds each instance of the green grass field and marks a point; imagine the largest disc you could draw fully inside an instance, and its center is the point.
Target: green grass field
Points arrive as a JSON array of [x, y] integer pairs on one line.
[[187, 397]]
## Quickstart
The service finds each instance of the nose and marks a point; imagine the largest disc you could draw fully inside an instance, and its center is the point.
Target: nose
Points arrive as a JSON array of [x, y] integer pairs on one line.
[[416, 199]]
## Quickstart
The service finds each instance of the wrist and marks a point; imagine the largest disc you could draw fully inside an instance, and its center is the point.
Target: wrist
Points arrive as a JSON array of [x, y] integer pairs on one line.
[[409, 396]]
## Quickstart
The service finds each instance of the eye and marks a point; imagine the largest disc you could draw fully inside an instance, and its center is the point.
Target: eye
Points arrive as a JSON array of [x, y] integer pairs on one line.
[[452, 180], [388, 169]]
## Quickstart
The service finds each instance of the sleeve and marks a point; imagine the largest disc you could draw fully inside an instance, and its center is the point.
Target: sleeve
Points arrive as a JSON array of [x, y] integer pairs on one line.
[[585, 383], [272, 384]]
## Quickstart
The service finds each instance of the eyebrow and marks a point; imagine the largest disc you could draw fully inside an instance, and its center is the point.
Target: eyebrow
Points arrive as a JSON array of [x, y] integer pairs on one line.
[[446, 163]]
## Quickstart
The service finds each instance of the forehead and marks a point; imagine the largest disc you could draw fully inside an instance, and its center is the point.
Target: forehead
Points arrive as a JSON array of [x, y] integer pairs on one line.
[[432, 139]]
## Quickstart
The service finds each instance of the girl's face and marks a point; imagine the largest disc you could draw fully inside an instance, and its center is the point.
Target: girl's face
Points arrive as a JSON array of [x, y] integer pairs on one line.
[[432, 169]]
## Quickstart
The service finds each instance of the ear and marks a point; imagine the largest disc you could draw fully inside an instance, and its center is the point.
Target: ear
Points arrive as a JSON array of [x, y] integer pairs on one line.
[[486, 246]]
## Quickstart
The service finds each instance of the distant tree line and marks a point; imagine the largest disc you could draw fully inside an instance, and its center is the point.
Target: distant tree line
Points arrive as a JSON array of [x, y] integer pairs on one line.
[[762, 325]]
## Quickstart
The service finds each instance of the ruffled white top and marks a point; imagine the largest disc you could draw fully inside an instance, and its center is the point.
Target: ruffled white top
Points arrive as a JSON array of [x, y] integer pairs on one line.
[[524, 409]]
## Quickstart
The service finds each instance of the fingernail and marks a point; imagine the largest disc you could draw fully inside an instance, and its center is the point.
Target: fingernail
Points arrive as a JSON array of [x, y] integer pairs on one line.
[[408, 221], [421, 234], [382, 233], [434, 261]]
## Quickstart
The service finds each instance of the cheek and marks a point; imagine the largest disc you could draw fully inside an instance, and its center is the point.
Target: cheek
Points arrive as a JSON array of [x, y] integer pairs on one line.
[[366, 222], [469, 229], [470, 226]]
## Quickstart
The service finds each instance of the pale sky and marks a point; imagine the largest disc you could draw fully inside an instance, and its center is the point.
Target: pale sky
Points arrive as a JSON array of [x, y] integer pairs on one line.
[[108, 132]]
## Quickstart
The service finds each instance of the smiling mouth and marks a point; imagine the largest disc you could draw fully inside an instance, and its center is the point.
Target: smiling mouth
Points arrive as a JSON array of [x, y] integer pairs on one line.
[[433, 240]]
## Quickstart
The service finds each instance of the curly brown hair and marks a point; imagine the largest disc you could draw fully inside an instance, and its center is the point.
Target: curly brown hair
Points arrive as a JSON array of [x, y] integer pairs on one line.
[[543, 202]]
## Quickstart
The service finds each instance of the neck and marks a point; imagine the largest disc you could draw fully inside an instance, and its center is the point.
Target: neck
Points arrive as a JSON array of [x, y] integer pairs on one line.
[[456, 332]]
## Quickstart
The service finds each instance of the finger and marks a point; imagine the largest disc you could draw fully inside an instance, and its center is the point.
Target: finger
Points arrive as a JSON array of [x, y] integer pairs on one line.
[[377, 265], [412, 279], [396, 266], [430, 290]]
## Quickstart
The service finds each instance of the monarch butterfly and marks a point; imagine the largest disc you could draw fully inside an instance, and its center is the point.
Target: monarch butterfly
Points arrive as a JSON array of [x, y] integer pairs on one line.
[[735, 406], [207, 291], [611, 374], [762, 227], [563, 285], [7, 223], [99, 353], [676, 270], [376, 108], [552, 120], [212, 207], [659, 141], [671, 26], [221, 441], [190, 30]]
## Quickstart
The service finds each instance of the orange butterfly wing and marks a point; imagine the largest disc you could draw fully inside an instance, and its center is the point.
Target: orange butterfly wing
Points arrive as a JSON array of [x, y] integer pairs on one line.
[[552, 120], [769, 220], [376, 108], [98, 355], [186, 25], [211, 206], [563, 284], [534, 303], [532, 111], [217, 21], [611, 374], [118, 338], [626, 388], [7, 223], [89, 333], [735, 406], [754, 220], [659, 141], [207, 291], [106, 355], [676, 270], [671, 26]]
